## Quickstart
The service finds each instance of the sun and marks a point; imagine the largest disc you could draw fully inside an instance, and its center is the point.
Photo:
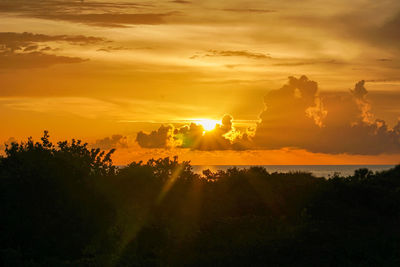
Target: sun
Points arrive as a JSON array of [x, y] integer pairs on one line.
[[208, 125]]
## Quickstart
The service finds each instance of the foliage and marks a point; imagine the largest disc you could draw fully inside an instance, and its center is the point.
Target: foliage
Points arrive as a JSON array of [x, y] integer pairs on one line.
[[68, 205], [49, 205]]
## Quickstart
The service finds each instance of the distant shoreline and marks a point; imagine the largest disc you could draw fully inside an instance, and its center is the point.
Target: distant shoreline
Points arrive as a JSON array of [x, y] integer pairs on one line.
[[317, 170]]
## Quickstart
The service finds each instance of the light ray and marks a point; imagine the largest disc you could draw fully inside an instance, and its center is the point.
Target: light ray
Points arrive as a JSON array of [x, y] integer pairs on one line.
[[169, 183]]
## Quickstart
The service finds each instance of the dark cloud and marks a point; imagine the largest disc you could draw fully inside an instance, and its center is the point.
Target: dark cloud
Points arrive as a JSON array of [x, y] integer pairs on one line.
[[113, 48], [383, 34], [233, 53], [360, 24], [156, 139], [181, 2], [389, 31], [115, 141], [31, 48], [359, 91], [12, 41], [28, 50]]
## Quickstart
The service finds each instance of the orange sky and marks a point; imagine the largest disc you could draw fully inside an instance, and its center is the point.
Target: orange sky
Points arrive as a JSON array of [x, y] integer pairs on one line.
[[98, 69]]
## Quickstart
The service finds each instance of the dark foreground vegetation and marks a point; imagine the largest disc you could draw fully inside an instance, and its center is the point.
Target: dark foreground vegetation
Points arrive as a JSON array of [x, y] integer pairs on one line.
[[67, 205]]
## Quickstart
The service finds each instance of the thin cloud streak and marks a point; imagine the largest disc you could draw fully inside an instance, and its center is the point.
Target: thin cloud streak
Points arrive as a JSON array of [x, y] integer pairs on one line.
[[28, 50]]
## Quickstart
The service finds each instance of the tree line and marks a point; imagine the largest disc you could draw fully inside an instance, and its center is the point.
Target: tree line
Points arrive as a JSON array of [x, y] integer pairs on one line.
[[66, 204]]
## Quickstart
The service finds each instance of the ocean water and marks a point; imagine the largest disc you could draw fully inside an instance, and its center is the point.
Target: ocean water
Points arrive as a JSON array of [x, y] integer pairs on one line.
[[316, 170]]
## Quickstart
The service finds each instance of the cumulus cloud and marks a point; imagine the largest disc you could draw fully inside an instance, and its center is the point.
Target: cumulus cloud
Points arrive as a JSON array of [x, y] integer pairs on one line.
[[290, 115], [338, 124], [295, 116], [156, 139], [223, 137], [115, 141], [195, 137]]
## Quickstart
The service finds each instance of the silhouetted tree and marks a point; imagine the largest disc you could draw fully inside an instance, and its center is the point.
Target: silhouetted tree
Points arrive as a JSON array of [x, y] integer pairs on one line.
[[67, 205], [49, 203]]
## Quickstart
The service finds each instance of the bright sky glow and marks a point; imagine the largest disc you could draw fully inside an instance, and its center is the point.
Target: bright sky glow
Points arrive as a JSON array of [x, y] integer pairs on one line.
[[207, 124]]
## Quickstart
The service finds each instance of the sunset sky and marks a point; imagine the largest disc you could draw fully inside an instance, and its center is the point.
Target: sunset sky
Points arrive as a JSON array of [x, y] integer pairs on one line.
[[214, 82]]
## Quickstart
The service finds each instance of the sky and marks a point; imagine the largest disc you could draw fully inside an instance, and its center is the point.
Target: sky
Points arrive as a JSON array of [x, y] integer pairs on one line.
[[214, 82]]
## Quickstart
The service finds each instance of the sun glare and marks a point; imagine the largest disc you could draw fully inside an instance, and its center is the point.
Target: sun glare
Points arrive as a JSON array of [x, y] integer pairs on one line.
[[207, 124]]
